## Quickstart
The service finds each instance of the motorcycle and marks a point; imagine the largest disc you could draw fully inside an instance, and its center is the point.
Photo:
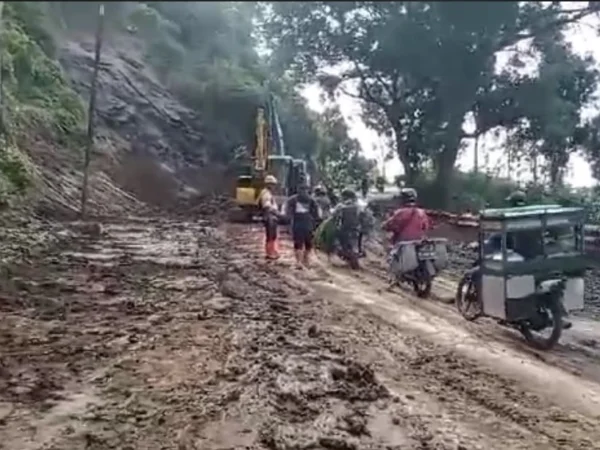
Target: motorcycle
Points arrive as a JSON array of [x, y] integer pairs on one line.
[[417, 263], [351, 255], [328, 239]]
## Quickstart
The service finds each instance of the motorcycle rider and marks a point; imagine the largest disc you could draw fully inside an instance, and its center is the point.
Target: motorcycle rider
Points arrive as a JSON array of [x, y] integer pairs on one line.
[[270, 214], [367, 222], [409, 222], [303, 212]]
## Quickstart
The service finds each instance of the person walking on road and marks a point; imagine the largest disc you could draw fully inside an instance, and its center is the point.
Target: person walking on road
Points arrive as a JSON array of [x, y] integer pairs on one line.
[[303, 212], [270, 213], [323, 202], [347, 219]]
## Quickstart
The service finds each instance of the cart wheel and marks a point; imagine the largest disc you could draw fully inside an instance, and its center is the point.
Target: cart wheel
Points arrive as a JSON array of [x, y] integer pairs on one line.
[[537, 340], [467, 300], [422, 288]]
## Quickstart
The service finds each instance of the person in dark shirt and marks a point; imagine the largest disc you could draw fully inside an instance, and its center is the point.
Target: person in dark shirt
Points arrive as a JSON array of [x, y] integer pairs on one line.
[[347, 218], [324, 203], [303, 213]]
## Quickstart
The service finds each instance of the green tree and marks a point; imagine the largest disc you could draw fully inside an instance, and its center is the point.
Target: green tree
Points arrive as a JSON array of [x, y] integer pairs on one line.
[[339, 158], [420, 67]]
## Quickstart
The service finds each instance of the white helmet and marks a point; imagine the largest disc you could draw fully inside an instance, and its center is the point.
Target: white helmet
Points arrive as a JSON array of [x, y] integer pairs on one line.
[[270, 179]]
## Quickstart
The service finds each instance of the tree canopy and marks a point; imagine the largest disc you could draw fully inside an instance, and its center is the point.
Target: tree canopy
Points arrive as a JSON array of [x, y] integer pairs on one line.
[[420, 67]]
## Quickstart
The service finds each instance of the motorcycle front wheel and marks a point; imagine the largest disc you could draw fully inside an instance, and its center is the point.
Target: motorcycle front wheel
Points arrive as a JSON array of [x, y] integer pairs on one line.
[[467, 298], [553, 308]]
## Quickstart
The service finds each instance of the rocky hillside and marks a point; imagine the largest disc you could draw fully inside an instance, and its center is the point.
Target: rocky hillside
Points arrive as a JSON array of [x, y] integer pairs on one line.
[[148, 142], [175, 100]]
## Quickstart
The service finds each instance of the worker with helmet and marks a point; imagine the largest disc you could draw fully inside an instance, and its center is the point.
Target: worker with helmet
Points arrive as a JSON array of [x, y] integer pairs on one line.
[[270, 214], [409, 222], [303, 213]]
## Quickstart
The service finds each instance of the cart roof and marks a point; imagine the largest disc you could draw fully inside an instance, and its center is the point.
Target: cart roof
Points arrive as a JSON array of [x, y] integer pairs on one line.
[[527, 211]]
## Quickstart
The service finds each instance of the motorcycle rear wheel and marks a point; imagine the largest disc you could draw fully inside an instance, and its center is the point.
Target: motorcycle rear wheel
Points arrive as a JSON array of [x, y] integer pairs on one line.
[[552, 307]]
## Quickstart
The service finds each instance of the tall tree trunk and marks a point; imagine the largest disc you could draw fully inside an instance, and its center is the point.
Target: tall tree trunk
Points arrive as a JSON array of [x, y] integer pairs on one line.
[[476, 155], [534, 158], [443, 178], [410, 174], [445, 162]]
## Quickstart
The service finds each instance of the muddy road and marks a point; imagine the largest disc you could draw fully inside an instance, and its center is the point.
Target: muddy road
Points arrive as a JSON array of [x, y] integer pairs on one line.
[[161, 334]]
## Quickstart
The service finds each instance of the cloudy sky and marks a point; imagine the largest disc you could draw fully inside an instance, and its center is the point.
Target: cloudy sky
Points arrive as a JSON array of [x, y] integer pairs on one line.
[[584, 38]]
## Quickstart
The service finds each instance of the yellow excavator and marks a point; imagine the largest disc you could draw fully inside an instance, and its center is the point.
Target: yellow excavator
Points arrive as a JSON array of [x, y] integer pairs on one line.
[[289, 172]]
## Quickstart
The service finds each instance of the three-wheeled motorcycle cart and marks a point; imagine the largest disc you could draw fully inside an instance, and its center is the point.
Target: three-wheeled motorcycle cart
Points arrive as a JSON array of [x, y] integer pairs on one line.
[[530, 270]]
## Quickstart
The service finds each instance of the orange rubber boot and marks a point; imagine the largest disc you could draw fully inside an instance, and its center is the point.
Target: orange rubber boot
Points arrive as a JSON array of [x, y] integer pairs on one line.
[[276, 249], [271, 250]]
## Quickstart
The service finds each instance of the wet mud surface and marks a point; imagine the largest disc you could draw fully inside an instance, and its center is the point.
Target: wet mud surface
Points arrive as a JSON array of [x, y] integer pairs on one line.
[[158, 334]]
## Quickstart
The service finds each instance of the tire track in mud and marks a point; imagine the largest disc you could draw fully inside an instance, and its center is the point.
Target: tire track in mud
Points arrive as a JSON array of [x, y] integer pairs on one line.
[[472, 392], [185, 343], [189, 342], [466, 391]]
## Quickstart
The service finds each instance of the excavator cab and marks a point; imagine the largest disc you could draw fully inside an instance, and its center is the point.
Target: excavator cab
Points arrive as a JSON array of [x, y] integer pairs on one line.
[[299, 175], [281, 167]]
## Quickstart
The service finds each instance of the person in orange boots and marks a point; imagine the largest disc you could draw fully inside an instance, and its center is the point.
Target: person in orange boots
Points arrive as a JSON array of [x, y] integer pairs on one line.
[[270, 213]]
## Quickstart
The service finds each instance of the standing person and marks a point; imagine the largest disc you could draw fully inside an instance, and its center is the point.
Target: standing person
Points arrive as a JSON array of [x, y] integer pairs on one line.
[[366, 221], [364, 187], [323, 202], [303, 213], [347, 218], [409, 222], [270, 213]]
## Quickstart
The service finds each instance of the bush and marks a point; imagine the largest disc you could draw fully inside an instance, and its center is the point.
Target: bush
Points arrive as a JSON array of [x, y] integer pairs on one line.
[[36, 91], [36, 95], [14, 176]]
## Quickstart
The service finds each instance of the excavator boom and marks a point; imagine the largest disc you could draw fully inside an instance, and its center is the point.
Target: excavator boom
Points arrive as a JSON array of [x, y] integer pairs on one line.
[[268, 156]]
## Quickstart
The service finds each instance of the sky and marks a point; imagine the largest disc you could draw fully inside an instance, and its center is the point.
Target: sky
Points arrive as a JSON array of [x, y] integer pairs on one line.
[[585, 40]]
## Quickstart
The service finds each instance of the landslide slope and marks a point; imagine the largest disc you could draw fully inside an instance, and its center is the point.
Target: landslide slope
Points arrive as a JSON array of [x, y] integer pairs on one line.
[[147, 141]]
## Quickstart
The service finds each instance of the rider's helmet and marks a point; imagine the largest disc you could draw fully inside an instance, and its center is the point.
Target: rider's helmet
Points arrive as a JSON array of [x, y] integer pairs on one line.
[[270, 180], [348, 194], [319, 190], [517, 199], [408, 195]]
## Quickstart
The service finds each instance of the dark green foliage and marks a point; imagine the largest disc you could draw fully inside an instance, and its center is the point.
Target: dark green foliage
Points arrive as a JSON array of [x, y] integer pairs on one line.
[[339, 157], [36, 95], [205, 52], [421, 67]]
